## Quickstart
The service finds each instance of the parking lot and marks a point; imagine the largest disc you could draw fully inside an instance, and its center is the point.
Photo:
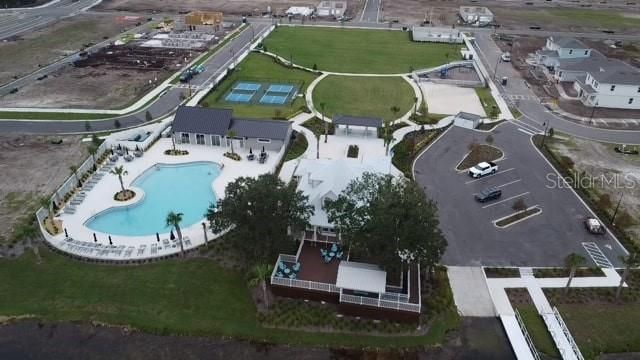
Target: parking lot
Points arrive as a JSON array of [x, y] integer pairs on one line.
[[542, 240]]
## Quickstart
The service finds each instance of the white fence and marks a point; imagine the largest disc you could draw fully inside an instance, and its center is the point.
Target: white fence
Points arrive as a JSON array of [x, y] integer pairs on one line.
[[395, 305], [527, 337], [304, 284], [71, 183]]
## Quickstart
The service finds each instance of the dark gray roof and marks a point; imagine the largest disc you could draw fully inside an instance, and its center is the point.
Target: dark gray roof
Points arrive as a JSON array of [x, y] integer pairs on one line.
[[357, 121], [570, 43], [468, 116], [604, 70], [268, 129], [202, 120], [550, 53]]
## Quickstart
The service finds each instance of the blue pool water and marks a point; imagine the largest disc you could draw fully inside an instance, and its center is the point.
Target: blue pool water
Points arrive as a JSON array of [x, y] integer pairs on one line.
[[182, 188]]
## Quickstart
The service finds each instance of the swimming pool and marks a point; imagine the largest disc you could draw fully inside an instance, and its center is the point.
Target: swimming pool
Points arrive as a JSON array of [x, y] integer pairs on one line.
[[184, 188]]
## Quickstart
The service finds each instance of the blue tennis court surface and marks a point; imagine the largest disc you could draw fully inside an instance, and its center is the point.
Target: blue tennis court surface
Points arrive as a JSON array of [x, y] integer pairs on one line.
[[273, 99], [282, 89], [247, 86], [238, 97]]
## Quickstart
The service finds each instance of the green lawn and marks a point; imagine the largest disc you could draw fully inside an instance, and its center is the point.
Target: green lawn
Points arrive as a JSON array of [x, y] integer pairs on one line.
[[538, 330], [363, 96], [603, 328], [487, 100], [260, 68], [357, 50], [52, 116], [192, 297], [298, 147]]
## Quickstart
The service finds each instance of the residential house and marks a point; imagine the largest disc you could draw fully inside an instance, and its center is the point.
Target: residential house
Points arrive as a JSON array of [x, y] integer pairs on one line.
[[322, 268], [437, 35], [331, 8], [213, 127], [562, 48], [475, 15]]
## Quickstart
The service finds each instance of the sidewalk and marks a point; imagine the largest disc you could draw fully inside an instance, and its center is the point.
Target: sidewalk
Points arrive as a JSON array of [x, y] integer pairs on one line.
[[588, 120]]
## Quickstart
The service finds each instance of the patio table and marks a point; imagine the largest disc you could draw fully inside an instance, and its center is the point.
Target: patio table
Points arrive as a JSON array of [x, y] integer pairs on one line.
[[332, 254], [286, 271]]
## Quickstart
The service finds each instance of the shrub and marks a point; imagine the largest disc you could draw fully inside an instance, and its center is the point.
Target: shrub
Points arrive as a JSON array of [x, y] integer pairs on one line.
[[353, 151], [232, 156]]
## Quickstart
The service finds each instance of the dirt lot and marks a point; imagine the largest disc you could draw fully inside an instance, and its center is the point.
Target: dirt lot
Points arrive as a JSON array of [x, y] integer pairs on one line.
[[31, 168], [22, 55], [96, 88], [600, 161], [235, 7], [566, 15]]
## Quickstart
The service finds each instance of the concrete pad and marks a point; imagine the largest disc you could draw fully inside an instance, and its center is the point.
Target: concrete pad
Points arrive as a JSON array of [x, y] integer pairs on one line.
[[450, 99], [470, 292]]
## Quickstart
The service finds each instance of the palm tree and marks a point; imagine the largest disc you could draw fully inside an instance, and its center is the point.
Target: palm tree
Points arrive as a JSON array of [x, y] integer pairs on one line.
[[174, 219], [317, 146], [630, 261], [395, 110], [230, 135], [93, 150], [47, 204], [74, 171], [387, 136], [173, 141], [259, 276], [572, 262], [326, 125], [120, 172], [415, 105]]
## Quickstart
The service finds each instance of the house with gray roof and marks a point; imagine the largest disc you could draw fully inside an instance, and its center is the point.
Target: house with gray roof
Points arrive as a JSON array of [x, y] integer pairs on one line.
[[218, 127], [599, 81]]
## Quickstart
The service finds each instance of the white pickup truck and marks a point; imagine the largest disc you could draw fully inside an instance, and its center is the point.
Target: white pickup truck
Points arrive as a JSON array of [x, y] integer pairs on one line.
[[482, 169]]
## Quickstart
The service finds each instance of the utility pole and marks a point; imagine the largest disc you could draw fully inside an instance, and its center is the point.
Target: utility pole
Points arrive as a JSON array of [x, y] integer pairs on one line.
[[615, 212]]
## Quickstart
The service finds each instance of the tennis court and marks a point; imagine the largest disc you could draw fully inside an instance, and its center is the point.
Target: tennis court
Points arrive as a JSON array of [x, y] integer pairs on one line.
[[239, 97], [280, 89], [273, 99], [247, 86]]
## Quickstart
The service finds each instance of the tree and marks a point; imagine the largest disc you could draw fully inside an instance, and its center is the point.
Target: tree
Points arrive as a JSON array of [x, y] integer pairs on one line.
[[173, 219], [317, 146], [147, 116], [389, 221], [572, 262], [93, 150], [173, 141], [519, 205], [259, 275], [630, 261], [119, 171], [326, 124], [230, 135], [47, 204], [395, 110], [74, 172], [387, 136], [263, 211]]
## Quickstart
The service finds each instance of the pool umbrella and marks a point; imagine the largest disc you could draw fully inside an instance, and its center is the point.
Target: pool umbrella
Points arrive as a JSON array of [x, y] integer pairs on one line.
[[263, 149], [110, 242], [95, 238], [66, 234], [171, 236], [158, 237], [250, 151]]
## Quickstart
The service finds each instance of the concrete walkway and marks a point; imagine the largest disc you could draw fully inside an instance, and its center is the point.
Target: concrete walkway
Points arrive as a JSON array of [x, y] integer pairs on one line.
[[470, 292]]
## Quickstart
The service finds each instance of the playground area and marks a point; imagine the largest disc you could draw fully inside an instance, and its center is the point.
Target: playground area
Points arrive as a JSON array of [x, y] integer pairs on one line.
[[461, 73], [256, 93]]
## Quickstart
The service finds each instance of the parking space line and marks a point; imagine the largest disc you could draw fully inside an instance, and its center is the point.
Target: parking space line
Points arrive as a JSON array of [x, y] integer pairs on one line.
[[509, 183], [507, 199], [488, 176]]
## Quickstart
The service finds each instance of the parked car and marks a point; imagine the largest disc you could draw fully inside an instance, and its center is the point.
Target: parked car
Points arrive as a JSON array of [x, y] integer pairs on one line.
[[594, 226], [13, 91], [506, 57], [482, 169], [488, 194]]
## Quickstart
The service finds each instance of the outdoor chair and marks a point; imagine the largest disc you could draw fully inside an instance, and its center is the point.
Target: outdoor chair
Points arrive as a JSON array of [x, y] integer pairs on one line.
[[324, 252], [327, 259], [251, 157], [296, 267], [281, 265], [279, 274], [292, 276], [334, 248], [339, 255], [138, 153]]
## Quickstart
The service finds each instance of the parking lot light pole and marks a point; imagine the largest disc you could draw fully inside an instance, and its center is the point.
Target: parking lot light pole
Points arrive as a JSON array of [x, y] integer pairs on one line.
[[615, 212]]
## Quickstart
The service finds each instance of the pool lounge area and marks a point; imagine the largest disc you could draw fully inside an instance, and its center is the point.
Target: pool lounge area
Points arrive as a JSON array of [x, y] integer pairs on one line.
[[90, 236], [323, 271]]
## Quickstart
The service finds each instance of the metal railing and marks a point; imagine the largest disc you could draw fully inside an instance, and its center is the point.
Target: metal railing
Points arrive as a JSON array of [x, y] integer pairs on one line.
[[527, 337], [304, 284], [399, 297], [396, 305], [567, 334]]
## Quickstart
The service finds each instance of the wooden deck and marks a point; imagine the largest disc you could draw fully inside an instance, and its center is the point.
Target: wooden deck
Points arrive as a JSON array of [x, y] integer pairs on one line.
[[312, 266]]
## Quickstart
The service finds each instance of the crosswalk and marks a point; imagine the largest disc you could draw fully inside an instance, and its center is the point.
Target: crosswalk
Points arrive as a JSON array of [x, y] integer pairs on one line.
[[520, 97], [596, 254]]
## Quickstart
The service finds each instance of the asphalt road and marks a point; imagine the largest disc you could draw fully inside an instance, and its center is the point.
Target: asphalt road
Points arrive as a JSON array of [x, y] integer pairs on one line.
[[164, 104], [371, 11], [536, 115], [16, 21], [542, 240]]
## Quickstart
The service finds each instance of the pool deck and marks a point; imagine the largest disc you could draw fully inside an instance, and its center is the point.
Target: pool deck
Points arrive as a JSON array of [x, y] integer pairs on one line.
[[130, 248]]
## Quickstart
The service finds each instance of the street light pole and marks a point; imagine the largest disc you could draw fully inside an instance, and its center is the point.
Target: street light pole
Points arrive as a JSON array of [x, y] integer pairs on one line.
[[593, 112], [615, 212], [544, 136], [233, 57]]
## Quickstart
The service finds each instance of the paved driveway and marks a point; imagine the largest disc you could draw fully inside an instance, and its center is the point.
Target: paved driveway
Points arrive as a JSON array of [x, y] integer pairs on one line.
[[542, 240]]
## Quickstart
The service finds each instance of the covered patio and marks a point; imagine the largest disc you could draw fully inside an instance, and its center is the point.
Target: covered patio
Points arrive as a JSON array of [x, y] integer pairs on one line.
[[357, 125]]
